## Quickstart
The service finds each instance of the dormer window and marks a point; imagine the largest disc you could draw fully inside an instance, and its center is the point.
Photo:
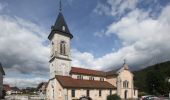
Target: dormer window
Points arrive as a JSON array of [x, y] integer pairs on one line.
[[63, 28], [91, 78], [101, 79], [80, 77]]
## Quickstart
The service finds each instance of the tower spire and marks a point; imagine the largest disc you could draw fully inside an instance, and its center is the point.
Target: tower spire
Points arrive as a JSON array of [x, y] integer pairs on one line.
[[60, 9]]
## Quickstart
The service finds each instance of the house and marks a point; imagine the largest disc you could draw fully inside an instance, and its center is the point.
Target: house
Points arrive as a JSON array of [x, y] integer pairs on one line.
[[41, 88], [15, 90], [2, 73], [7, 89], [67, 82]]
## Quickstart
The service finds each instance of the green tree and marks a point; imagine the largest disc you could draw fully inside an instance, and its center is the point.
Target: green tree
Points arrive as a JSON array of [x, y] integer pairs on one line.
[[155, 83], [113, 97]]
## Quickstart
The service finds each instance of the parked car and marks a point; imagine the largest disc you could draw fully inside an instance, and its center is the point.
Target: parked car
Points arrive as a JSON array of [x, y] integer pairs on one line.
[[144, 97], [152, 98], [85, 98], [149, 97]]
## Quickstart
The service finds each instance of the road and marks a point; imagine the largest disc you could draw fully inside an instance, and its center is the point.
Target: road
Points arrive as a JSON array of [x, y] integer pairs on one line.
[[23, 97]]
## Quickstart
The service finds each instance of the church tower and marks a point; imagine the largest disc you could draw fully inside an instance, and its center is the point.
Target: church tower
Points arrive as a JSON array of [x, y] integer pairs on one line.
[[60, 38]]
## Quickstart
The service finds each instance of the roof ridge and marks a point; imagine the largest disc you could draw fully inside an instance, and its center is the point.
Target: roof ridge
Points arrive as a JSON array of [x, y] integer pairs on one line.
[[88, 69]]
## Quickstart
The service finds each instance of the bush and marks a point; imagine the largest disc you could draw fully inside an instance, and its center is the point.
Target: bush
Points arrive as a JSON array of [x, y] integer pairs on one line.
[[142, 93], [113, 97]]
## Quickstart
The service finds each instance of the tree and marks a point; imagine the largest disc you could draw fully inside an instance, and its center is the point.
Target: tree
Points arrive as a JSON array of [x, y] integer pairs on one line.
[[113, 97], [155, 83]]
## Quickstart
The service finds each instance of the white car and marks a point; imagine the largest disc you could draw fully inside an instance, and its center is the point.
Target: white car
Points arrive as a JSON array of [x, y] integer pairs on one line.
[[150, 97]]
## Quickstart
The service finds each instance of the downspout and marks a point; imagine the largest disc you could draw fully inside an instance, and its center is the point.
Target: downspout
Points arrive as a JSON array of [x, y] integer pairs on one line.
[[132, 88]]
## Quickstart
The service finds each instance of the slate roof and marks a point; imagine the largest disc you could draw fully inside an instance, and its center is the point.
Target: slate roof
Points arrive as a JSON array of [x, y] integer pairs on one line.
[[68, 82], [76, 70], [60, 22]]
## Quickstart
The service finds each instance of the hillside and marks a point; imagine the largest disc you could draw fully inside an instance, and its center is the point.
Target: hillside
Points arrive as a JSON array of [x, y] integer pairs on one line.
[[163, 69]]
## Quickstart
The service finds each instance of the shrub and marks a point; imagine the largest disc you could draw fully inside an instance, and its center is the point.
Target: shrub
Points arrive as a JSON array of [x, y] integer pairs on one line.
[[113, 97]]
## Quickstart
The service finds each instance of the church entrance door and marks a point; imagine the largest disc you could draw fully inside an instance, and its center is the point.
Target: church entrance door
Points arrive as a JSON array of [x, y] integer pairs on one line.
[[125, 94]]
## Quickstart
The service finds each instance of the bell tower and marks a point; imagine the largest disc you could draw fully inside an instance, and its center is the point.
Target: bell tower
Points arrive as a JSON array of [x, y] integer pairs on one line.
[[60, 38]]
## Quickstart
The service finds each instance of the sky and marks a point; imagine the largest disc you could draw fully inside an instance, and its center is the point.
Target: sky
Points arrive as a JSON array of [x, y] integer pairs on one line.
[[105, 33]]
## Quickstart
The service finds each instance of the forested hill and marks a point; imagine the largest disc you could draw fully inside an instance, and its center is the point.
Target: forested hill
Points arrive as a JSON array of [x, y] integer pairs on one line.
[[152, 77]]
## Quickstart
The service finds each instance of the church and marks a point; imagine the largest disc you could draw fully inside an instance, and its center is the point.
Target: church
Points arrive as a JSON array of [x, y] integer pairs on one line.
[[71, 83]]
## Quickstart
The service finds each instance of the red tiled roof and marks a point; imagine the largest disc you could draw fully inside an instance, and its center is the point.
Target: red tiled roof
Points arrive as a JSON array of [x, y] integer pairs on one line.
[[76, 70], [69, 82], [6, 87]]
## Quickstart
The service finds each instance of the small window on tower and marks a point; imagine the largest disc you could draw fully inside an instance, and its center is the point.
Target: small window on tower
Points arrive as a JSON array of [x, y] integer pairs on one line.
[[63, 48], [63, 28]]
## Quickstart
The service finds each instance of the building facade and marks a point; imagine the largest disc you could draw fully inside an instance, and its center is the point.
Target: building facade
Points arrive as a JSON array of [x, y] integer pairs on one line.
[[2, 73], [68, 83]]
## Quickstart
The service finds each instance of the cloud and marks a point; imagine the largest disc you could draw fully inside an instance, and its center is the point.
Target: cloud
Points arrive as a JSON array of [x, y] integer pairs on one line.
[[23, 82], [145, 41], [115, 7], [21, 48]]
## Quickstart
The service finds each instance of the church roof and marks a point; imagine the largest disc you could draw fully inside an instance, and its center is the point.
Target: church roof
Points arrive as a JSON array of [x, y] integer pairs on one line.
[[76, 70], [111, 73], [58, 27], [60, 22], [68, 82]]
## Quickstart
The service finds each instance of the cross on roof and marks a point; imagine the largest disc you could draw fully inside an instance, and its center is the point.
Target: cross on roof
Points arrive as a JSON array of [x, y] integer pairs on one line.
[[60, 9]]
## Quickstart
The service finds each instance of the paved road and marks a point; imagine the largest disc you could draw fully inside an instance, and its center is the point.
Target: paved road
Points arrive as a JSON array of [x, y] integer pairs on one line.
[[22, 97]]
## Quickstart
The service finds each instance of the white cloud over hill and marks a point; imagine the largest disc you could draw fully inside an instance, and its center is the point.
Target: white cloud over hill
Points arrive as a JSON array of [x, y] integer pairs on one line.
[[144, 38]]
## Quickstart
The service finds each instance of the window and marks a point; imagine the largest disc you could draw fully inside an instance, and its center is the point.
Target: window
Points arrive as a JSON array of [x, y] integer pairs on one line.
[[88, 93], [101, 79], [52, 48], [63, 48], [100, 93], [80, 77], [125, 84], [110, 92], [73, 93], [91, 78]]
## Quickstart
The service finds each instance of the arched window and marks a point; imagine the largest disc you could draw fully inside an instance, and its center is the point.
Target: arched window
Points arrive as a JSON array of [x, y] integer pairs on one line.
[[63, 48], [125, 84]]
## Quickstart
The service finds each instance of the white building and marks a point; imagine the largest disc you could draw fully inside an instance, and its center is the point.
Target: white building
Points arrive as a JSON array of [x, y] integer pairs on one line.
[[67, 82]]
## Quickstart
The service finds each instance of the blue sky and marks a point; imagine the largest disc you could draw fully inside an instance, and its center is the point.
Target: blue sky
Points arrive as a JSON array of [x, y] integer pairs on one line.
[[105, 32], [82, 20]]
